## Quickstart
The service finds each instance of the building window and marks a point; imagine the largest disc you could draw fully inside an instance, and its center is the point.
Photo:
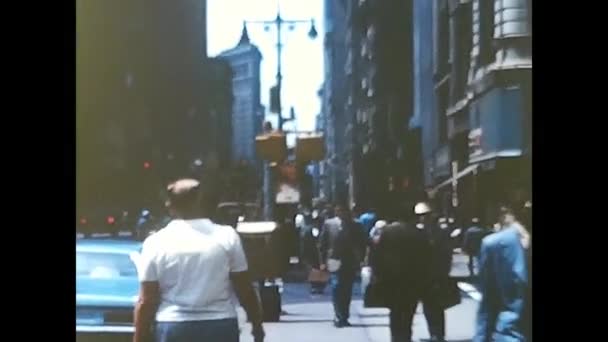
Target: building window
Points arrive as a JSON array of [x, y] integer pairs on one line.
[[463, 42], [442, 106], [486, 32], [530, 15], [241, 70], [443, 37]]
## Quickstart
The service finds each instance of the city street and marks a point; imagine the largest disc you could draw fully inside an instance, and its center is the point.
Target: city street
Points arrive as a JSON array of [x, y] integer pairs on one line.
[[271, 136], [309, 319]]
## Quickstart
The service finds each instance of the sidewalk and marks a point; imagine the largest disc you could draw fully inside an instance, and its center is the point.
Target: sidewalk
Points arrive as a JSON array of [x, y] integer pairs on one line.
[[306, 322], [460, 266], [460, 322], [460, 269], [311, 320]]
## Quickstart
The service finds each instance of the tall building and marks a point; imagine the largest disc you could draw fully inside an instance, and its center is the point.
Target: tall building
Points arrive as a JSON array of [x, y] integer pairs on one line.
[[318, 168], [425, 113], [334, 99], [379, 77], [247, 112], [220, 113], [141, 99], [482, 65]]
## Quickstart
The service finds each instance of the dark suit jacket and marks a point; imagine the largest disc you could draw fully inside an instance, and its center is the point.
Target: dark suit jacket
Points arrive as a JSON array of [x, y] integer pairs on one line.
[[309, 250], [503, 283], [409, 262], [344, 241]]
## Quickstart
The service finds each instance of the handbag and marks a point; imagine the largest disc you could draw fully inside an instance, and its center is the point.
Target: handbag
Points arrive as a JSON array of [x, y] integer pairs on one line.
[[333, 265], [374, 295], [449, 294], [318, 276]]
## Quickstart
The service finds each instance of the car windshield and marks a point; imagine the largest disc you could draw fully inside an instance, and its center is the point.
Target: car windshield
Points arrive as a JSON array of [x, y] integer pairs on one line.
[[104, 265]]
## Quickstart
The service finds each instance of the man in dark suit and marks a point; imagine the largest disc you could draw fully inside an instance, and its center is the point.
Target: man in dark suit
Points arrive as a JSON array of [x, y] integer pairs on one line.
[[343, 244], [412, 264], [472, 243], [503, 283]]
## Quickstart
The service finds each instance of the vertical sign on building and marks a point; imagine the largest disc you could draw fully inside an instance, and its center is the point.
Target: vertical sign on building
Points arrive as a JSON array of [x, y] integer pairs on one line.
[[455, 184]]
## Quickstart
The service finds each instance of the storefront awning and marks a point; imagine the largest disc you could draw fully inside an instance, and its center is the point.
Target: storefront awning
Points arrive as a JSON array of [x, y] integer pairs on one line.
[[460, 174]]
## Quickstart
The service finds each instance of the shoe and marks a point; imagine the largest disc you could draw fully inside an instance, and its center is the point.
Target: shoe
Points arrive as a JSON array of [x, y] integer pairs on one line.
[[341, 324], [346, 324]]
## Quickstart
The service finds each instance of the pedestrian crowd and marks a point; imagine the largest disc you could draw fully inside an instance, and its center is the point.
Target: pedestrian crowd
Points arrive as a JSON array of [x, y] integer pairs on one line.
[[405, 259], [193, 270]]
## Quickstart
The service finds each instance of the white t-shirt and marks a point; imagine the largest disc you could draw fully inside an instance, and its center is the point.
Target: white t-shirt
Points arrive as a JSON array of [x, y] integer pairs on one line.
[[192, 261]]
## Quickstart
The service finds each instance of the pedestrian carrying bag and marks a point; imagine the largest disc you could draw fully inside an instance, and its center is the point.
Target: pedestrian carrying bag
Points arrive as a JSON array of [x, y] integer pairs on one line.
[[271, 302], [333, 265], [318, 276], [366, 277], [373, 295], [450, 294]]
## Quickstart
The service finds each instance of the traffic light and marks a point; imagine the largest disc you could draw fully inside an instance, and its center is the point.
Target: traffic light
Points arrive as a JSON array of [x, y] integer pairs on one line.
[[310, 147], [147, 165], [274, 99], [271, 146], [110, 220]]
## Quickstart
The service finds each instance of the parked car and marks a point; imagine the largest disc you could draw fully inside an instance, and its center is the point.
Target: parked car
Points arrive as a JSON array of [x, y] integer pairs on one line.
[[106, 289]]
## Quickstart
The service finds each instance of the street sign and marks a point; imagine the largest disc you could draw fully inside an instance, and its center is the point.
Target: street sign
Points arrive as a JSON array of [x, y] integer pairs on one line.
[[310, 147], [271, 146]]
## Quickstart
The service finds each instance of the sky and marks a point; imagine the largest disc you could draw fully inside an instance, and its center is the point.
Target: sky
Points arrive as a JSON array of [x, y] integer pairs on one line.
[[302, 57]]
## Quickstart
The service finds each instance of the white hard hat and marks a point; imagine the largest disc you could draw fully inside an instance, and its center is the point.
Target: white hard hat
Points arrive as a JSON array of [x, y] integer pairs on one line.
[[380, 224], [422, 208]]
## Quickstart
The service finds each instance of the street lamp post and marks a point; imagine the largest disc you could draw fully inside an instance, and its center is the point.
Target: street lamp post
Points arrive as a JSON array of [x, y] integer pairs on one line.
[[278, 22]]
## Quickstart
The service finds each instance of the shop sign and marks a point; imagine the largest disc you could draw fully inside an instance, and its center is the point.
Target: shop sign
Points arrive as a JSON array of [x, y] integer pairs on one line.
[[442, 161], [475, 149]]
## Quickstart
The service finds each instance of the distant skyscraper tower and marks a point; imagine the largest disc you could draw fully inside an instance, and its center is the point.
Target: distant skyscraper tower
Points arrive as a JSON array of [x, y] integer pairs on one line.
[[247, 112]]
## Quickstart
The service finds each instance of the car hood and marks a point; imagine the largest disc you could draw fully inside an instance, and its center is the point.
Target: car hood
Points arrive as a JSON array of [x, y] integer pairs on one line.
[[119, 292]]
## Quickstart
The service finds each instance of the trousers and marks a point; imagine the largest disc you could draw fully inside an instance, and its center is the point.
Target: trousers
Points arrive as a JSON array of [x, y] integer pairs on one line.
[[225, 330], [402, 316], [342, 291]]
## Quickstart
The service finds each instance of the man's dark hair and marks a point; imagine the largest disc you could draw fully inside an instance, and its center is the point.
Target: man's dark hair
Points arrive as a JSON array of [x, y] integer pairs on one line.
[[184, 195]]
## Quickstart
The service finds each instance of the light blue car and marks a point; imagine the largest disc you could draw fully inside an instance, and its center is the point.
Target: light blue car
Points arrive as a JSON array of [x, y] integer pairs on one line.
[[106, 289]]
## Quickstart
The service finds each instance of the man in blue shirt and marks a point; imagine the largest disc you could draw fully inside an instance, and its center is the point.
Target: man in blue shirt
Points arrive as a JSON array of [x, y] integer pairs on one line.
[[368, 220], [503, 282]]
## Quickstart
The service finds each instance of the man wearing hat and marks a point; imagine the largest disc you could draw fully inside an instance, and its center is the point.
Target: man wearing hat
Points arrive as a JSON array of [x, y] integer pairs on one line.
[[412, 263]]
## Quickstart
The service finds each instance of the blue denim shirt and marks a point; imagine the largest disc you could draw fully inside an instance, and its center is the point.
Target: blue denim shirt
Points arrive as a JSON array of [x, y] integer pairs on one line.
[[503, 281], [367, 220]]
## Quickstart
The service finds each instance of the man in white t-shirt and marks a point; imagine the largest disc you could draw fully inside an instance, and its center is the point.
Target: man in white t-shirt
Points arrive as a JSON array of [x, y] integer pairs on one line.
[[189, 272]]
